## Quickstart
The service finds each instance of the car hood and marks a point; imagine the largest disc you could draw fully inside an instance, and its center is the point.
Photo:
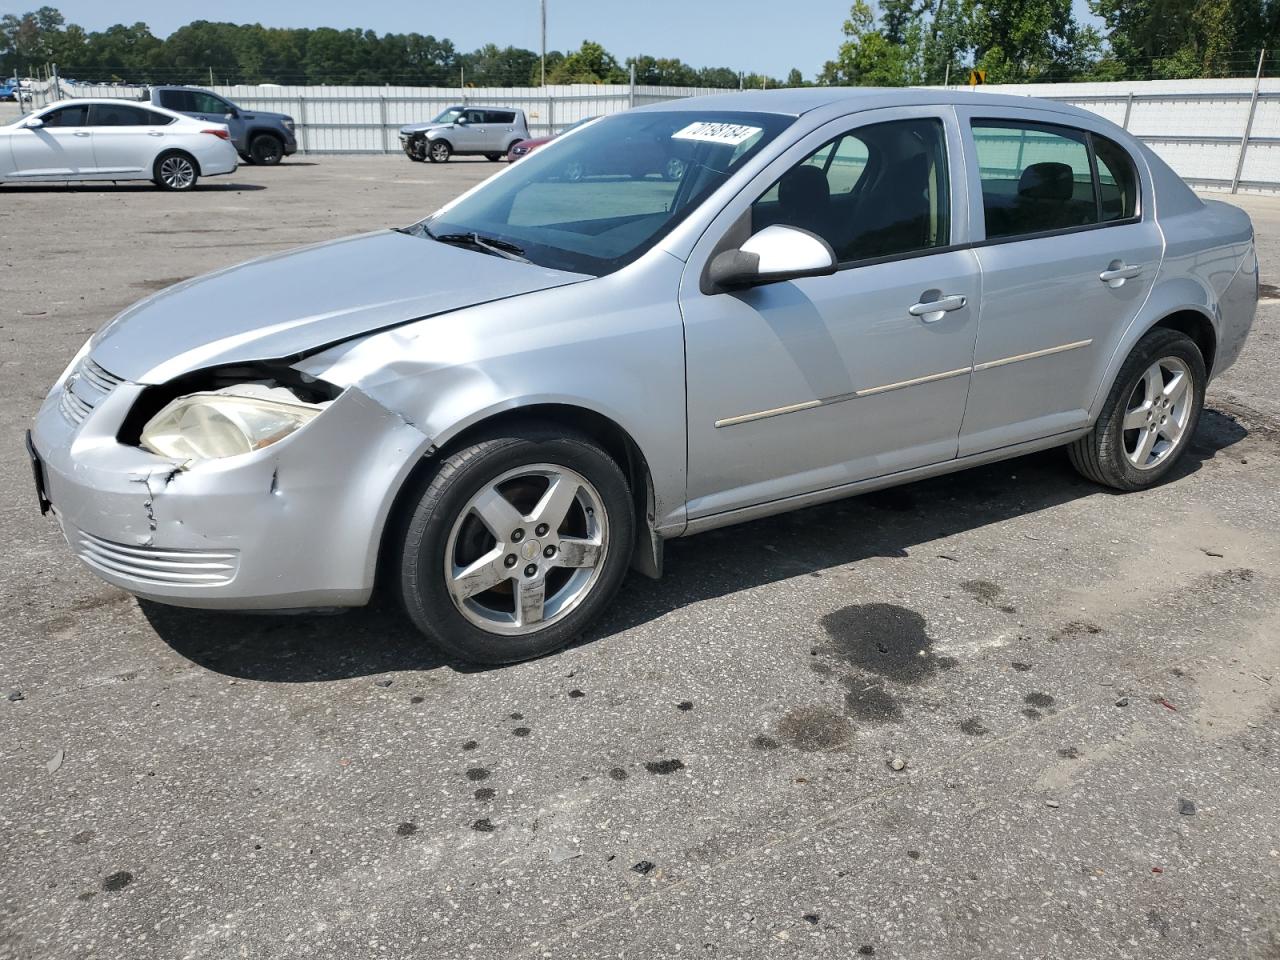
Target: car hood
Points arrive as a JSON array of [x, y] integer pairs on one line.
[[424, 127], [265, 115], [292, 303]]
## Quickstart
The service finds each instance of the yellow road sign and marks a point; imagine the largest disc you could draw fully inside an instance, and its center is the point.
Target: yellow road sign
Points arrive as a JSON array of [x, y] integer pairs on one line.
[[976, 77]]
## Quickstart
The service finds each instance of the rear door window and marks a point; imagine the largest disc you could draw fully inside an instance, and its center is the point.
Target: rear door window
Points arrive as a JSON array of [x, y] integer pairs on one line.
[[119, 115], [180, 100], [1036, 178]]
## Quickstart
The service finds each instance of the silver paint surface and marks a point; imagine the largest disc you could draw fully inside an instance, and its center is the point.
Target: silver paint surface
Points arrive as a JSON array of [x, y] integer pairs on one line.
[[426, 341]]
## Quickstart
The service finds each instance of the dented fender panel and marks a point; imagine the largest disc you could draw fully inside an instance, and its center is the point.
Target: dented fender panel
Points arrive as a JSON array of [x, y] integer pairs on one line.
[[296, 524], [613, 346]]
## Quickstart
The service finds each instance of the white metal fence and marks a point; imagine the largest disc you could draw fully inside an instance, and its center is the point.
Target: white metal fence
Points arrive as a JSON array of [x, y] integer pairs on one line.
[[1217, 134]]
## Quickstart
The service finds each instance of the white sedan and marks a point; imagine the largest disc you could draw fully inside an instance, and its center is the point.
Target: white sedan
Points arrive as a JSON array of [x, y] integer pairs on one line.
[[114, 140]]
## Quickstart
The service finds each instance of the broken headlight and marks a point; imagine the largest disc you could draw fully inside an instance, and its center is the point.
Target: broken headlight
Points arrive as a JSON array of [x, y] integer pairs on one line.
[[226, 422]]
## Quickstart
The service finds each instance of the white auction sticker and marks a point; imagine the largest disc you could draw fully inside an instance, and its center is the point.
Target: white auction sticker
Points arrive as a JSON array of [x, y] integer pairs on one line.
[[731, 134]]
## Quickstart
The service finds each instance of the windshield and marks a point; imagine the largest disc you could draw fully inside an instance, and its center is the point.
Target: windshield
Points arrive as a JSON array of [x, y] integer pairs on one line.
[[595, 201], [450, 115]]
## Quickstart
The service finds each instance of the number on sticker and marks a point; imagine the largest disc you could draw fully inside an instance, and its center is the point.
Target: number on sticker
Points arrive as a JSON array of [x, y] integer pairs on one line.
[[705, 131]]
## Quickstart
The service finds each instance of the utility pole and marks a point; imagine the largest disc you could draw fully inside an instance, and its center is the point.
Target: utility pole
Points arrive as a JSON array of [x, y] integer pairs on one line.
[[543, 4], [211, 76]]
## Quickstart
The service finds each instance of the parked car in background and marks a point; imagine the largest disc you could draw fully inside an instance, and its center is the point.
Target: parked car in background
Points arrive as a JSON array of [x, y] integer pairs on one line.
[[497, 411], [8, 90], [465, 131], [111, 139], [523, 148], [259, 136]]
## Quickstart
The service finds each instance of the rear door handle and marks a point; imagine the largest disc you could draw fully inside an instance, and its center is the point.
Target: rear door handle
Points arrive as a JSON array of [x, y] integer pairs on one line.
[[154, 133], [931, 311], [81, 133], [1118, 272]]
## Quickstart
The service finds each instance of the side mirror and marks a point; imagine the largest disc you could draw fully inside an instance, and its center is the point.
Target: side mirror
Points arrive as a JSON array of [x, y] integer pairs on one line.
[[462, 121], [775, 253], [230, 115], [35, 123]]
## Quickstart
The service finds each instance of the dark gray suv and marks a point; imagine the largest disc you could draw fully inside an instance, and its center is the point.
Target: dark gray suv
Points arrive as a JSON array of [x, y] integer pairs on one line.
[[259, 136]]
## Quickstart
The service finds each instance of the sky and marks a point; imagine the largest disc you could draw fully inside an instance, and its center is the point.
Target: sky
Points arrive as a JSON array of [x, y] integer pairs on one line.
[[747, 35]]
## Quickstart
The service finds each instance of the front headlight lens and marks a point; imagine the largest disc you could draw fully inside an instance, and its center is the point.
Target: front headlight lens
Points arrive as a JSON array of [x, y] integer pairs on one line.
[[227, 422]]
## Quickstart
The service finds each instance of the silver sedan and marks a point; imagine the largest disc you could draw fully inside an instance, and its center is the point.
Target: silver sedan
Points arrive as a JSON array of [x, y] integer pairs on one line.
[[499, 410]]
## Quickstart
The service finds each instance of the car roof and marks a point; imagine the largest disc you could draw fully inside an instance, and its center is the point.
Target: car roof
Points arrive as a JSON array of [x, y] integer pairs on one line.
[[114, 101], [797, 101]]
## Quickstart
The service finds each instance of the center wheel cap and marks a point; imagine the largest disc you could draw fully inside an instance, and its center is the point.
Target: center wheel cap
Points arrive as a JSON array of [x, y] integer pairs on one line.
[[530, 549]]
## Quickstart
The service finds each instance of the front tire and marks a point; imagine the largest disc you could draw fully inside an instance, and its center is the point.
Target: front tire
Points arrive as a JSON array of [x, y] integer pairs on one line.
[[439, 151], [175, 171], [1150, 415], [515, 543]]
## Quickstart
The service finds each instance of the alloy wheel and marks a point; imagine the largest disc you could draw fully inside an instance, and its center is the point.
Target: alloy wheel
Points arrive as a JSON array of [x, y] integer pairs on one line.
[[1157, 413], [527, 549], [178, 173]]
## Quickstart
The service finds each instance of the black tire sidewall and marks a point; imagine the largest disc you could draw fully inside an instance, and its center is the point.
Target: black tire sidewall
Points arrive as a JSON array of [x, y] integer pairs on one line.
[[431, 151], [265, 139], [422, 560], [1155, 346]]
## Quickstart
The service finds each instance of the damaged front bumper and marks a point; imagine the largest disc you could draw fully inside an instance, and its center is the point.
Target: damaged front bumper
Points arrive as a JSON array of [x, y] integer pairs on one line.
[[295, 524]]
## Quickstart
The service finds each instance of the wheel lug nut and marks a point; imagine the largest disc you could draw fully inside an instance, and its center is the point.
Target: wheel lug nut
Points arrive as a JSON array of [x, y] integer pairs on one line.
[[510, 560], [517, 536], [549, 552], [530, 570], [541, 530]]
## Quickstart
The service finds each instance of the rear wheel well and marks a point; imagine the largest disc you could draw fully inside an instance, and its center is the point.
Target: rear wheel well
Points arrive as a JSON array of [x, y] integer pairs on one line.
[[175, 152], [1196, 326], [612, 437]]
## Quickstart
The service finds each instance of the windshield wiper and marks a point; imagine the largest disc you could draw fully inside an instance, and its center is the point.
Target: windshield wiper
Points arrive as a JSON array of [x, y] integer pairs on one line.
[[493, 245]]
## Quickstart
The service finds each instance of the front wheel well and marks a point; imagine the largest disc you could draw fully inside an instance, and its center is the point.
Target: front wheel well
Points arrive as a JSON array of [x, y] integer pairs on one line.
[[1198, 327], [606, 432]]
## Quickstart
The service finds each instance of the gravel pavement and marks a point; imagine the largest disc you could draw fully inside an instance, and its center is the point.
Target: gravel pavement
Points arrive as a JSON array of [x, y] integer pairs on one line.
[[1082, 690]]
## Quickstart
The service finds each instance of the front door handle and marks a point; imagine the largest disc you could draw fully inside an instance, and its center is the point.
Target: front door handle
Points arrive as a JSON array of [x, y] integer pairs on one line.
[[1118, 272], [81, 133], [931, 311], [154, 133]]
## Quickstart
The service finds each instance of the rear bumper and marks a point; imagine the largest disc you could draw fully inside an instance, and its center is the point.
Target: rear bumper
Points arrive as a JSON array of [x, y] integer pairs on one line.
[[297, 524]]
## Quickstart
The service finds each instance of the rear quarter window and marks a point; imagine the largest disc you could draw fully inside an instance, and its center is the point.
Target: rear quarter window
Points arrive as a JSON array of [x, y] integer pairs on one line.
[[1117, 180]]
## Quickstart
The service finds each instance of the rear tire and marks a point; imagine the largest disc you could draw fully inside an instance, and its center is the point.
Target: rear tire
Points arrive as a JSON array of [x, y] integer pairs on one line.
[[493, 157], [1148, 419], [531, 589], [439, 151], [266, 149], [175, 171]]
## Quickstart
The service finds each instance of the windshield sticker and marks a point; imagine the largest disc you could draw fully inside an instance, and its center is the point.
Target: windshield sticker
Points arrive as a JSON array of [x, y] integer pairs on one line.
[[730, 134]]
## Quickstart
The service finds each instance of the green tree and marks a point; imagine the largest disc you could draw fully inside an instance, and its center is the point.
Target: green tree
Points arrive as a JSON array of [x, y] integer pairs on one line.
[[493, 67], [867, 58], [1024, 40], [590, 63], [1187, 38]]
